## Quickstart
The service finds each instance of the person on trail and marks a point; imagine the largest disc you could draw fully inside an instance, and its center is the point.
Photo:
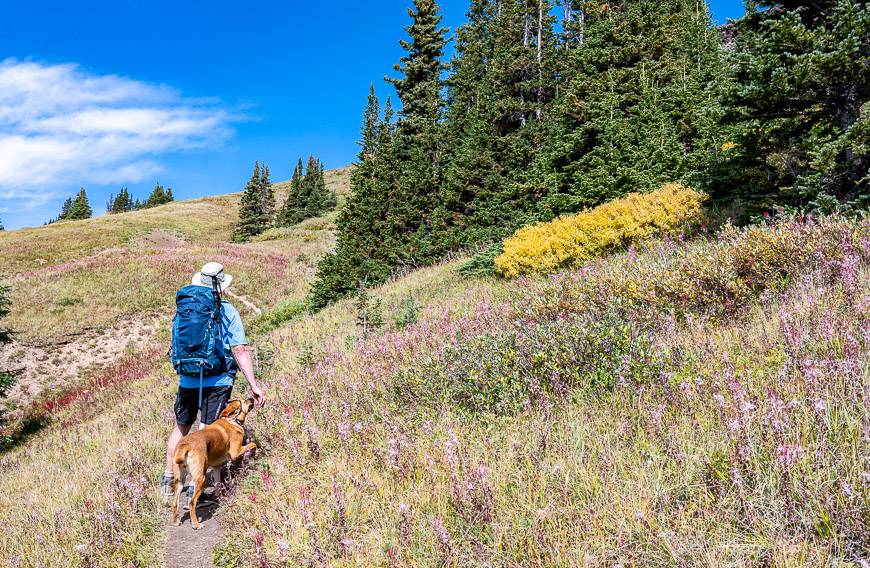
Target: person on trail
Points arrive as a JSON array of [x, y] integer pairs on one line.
[[208, 348]]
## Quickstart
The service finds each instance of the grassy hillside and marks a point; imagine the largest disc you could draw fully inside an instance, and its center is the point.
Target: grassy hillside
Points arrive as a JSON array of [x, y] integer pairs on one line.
[[86, 292], [209, 219], [697, 404], [684, 403]]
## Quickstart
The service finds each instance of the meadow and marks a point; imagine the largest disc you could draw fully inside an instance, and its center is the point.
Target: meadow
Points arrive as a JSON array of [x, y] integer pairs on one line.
[[681, 402], [710, 411], [87, 292]]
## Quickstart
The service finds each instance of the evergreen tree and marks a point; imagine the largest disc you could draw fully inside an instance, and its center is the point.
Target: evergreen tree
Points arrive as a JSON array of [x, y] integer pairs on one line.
[[2, 228], [318, 194], [796, 108], [418, 152], [64, 211], [499, 94], [364, 248], [633, 111], [308, 195], [79, 207], [419, 86], [253, 219], [120, 203], [159, 196], [267, 196], [289, 211]]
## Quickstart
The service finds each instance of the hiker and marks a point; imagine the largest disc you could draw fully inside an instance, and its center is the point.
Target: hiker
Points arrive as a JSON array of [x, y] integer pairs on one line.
[[207, 351]]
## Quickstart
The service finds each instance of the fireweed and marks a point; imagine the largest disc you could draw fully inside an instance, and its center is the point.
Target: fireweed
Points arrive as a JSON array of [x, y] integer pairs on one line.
[[682, 403]]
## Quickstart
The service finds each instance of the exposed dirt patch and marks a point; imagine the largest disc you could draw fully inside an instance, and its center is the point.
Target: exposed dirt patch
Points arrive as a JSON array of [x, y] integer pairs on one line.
[[54, 364], [158, 239]]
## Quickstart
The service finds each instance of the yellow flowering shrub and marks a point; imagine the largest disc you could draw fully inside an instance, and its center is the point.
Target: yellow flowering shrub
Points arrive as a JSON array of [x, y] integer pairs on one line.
[[574, 239]]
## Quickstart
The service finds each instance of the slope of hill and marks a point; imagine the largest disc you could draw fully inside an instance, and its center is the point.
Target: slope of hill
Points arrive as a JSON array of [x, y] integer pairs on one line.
[[687, 403], [86, 292]]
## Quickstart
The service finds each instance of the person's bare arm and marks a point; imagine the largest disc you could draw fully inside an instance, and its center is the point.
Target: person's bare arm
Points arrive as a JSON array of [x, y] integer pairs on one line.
[[243, 358]]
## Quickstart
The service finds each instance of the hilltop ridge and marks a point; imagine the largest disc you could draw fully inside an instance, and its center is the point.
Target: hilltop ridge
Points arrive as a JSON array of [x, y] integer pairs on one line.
[[86, 292]]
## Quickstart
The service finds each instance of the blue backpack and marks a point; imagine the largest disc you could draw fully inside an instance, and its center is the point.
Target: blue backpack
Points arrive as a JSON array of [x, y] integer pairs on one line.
[[197, 340]]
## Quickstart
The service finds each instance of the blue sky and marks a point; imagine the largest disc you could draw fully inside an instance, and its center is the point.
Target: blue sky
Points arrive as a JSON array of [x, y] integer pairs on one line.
[[122, 93]]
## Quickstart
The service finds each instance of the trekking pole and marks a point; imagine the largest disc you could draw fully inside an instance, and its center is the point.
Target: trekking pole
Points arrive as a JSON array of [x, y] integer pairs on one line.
[[201, 367]]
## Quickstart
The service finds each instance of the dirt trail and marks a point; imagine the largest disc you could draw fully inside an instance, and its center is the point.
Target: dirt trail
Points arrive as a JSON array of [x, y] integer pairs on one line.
[[244, 300], [187, 548]]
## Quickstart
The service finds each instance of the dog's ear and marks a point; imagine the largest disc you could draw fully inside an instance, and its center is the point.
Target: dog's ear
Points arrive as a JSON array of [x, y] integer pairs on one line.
[[233, 407]]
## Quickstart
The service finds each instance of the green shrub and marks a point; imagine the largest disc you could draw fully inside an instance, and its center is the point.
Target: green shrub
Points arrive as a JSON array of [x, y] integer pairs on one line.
[[410, 312], [279, 315], [483, 263], [506, 372]]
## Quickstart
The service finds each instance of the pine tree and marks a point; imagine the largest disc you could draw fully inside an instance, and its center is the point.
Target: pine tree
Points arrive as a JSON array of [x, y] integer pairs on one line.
[[319, 197], [634, 104], [253, 219], [267, 196], [79, 207], [796, 108], [499, 94], [418, 150], [159, 196], [364, 248], [120, 203], [289, 211], [64, 210], [2, 228], [419, 86]]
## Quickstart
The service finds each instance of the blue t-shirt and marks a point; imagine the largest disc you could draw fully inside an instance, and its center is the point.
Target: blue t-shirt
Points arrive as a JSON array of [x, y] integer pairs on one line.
[[233, 334]]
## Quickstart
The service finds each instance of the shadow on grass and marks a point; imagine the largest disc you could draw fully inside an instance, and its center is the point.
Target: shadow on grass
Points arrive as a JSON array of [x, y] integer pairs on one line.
[[23, 431]]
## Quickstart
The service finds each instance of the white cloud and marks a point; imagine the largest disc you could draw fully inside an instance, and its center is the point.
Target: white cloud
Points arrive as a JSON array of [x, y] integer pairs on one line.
[[61, 127]]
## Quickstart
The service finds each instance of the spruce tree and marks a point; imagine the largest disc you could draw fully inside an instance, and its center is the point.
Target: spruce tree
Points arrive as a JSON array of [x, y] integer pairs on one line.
[[79, 208], [290, 210], [64, 210], [419, 86], [318, 195], [253, 220], [500, 93], [796, 108], [120, 203], [159, 196], [267, 196], [364, 248], [418, 150], [633, 109]]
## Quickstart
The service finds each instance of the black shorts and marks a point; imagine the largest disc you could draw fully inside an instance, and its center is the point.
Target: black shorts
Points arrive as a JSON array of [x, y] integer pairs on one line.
[[214, 400]]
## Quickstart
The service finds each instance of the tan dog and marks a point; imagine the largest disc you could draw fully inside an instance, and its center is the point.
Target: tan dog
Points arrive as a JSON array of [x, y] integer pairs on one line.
[[210, 447]]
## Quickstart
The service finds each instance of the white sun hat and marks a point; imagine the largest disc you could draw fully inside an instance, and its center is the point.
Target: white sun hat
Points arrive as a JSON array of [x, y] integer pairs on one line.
[[209, 271]]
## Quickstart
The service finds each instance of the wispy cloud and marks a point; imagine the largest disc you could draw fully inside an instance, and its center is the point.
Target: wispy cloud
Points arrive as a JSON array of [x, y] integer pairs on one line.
[[61, 126]]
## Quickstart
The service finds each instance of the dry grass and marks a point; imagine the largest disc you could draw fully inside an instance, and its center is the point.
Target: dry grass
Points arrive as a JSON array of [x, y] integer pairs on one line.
[[737, 439], [82, 492], [208, 219], [72, 275]]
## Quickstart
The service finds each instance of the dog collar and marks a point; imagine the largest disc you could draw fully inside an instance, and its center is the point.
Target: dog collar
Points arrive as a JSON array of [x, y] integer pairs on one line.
[[234, 420]]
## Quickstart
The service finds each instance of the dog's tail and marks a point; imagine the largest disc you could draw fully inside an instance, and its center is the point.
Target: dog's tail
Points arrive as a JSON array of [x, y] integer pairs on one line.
[[180, 458]]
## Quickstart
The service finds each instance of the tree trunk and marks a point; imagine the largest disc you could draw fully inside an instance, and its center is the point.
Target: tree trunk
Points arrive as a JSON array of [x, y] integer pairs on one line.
[[540, 89]]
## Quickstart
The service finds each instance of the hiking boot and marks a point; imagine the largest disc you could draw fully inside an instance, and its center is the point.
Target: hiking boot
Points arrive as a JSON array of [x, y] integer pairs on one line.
[[167, 488], [205, 499]]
